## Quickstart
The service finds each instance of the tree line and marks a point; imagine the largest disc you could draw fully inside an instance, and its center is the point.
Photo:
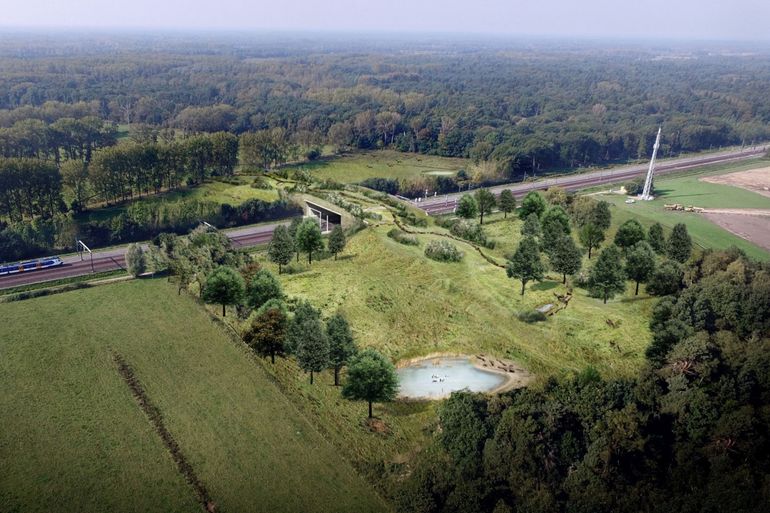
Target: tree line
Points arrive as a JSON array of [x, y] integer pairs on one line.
[[272, 324], [523, 109]]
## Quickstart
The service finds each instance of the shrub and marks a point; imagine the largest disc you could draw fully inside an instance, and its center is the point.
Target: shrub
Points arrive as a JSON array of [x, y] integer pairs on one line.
[[471, 231], [403, 237], [411, 219], [531, 316], [260, 182], [443, 251], [387, 185], [313, 154]]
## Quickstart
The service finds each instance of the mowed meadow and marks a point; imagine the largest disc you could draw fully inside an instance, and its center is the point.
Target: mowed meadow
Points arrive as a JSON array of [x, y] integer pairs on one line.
[[688, 189], [75, 439]]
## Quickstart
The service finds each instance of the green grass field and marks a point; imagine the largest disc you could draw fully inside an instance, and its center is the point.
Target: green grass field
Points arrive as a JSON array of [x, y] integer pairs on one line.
[[214, 191], [74, 439], [687, 189], [407, 305], [359, 166]]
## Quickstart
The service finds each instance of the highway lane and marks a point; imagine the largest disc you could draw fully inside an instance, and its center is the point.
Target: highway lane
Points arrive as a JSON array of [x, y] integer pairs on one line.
[[447, 203], [114, 259]]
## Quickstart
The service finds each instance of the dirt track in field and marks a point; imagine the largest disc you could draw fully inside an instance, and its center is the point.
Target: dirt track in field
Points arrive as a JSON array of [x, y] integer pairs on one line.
[[754, 180]]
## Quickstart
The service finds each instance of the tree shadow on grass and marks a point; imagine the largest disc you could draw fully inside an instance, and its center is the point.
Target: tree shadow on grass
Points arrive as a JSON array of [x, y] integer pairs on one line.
[[672, 194], [405, 407], [545, 285]]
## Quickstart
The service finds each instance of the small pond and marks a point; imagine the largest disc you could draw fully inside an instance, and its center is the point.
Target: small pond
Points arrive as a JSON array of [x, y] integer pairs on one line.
[[435, 378]]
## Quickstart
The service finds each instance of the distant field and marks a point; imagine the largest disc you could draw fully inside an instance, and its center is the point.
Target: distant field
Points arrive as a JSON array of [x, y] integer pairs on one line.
[[74, 439], [215, 191], [688, 189], [359, 166]]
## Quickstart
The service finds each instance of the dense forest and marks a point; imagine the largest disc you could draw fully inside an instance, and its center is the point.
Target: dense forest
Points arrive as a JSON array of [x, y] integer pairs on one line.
[[520, 103], [195, 106]]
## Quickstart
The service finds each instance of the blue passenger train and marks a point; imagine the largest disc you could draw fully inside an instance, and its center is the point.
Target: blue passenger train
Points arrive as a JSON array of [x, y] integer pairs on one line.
[[30, 265]]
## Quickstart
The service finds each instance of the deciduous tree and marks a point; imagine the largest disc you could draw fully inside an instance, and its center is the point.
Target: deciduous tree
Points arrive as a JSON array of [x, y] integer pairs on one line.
[[640, 263], [263, 287], [565, 257], [533, 202], [656, 239], [507, 202], [267, 333], [525, 265], [591, 236], [309, 238], [629, 234], [486, 201], [312, 346], [665, 279], [607, 278], [679, 245], [531, 226], [337, 240], [341, 344], [223, 286], [602, 217], [467, 207], [136, 260], [371, 378]]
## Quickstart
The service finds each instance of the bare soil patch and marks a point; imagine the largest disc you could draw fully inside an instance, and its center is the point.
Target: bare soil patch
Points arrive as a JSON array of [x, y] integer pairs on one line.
[[755, 180], [752, 227]]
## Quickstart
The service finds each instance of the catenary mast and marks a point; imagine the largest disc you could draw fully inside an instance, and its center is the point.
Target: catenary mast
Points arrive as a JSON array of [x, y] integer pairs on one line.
[[646, 196]]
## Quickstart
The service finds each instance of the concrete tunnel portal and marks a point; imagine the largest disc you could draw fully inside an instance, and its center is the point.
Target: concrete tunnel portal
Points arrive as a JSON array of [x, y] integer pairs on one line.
[[327, 218]]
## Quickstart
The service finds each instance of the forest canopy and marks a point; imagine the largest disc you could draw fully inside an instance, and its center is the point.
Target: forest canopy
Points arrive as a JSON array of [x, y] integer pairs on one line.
[[524, 105]]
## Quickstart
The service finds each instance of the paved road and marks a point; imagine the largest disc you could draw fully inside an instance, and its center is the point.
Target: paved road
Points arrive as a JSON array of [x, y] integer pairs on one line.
[[114, 259], [447, 203]]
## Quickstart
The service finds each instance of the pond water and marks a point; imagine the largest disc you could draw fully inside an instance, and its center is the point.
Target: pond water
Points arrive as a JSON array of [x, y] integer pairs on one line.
[[435, 378]]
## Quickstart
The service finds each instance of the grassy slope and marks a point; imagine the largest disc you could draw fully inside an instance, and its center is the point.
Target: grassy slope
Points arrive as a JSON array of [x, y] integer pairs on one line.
[[358, 166], [687, 189], [73, 438], [407, 305]]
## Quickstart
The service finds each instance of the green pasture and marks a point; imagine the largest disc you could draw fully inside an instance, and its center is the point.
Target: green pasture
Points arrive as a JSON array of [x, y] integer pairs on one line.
[[358, 166], [74, 439], [212, 190], [687, 189]]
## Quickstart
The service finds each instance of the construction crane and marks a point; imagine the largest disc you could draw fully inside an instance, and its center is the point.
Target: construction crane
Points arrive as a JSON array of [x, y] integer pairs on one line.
[[646, 196]]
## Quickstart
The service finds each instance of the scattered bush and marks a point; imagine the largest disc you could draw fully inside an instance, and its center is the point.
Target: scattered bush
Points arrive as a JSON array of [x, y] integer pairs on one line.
[[531, 316], [443, 251], [260, 182], [403, 237], [412, 219], [313, 154], [471, 231]]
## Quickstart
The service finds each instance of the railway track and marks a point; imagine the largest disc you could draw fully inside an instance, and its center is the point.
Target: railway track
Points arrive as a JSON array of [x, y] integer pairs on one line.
[[113, 259]]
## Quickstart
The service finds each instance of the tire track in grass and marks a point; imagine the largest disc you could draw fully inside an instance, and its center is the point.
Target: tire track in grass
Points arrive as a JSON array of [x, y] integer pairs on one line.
[[155, 417]]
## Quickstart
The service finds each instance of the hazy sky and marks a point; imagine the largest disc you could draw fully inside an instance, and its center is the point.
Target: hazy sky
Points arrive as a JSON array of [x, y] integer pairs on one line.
[[701, 19]]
